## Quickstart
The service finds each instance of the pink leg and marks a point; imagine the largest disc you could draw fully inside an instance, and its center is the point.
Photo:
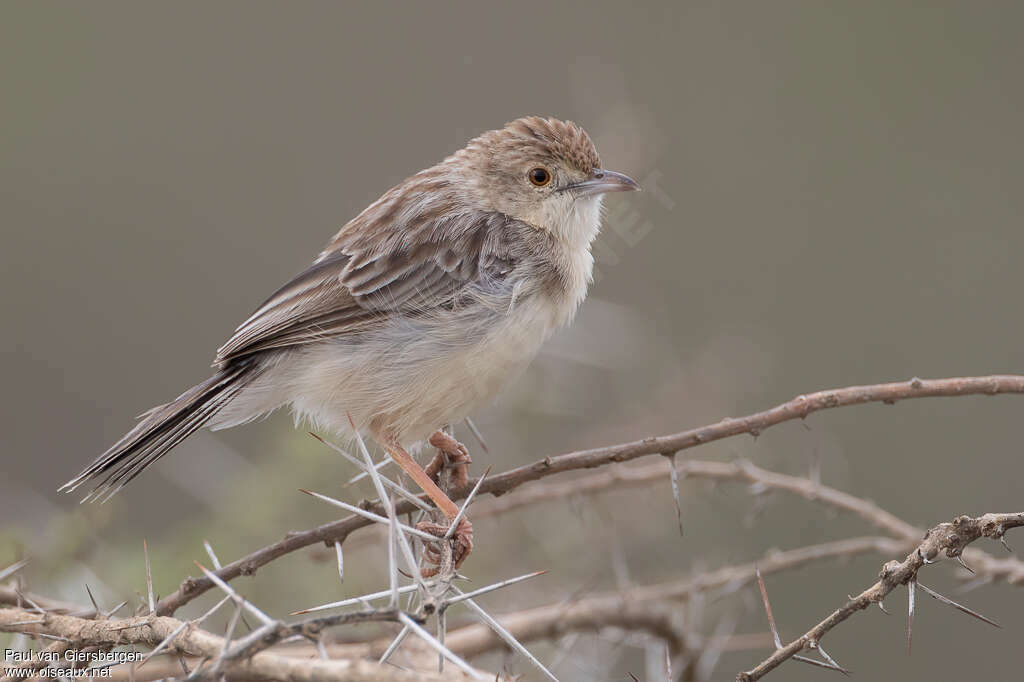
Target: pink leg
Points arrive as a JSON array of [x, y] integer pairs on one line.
[[462, 538]]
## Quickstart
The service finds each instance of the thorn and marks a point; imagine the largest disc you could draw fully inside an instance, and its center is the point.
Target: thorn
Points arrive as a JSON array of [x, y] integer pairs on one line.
[[505, 635], [768, 607], [126, 626], [824, 654], [442, 632], [910, 612], [396, 528], [238, 599], [884, 610], [821, 664], [54, 637], [362, 474], [1002, 539], [395, 643], [13, 568], [213, 609], [495, 586], [959, 607], [213, 557], [99, 611], [114, 610], [35, 606], [392, 564], [465, 505], [160, 647], [673, 476], [476, 434], [359, 511], [437, 646], [960, 560], [227, 638], [354, 600], [384, 479], [341, 560], [149, 578]]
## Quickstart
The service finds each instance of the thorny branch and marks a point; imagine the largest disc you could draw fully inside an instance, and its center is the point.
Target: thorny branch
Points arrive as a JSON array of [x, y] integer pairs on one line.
[[992, 569], [643, 608], [193, 641], [647, 609], [946, 539], [797, 408]]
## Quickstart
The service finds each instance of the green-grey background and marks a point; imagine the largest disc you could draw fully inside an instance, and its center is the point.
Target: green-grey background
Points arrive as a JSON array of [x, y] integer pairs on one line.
[[834, 197]]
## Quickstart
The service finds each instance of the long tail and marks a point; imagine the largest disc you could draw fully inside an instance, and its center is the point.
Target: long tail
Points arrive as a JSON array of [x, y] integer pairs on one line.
[[160, 429]]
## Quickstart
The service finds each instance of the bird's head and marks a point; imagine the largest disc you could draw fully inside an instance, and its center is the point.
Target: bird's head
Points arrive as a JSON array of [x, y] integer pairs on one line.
[[542, 171]]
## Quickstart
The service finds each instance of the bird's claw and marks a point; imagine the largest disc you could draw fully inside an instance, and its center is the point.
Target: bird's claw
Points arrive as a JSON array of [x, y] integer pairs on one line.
[[450, 453], [462, 545]]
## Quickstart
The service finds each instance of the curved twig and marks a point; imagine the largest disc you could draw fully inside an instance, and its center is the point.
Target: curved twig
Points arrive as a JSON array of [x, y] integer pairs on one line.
[[947, 539], [797, 408], [1008, 569]]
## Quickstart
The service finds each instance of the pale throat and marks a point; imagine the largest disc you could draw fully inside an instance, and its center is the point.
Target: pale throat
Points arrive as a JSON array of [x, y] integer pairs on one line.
[[575, 228], [574, 222]]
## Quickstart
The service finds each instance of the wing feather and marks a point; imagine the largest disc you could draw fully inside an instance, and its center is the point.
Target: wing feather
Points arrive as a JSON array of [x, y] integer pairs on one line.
[[359, 283]]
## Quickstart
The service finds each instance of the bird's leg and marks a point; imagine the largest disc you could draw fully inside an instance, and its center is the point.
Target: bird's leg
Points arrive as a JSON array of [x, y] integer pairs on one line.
[[450, 470], [462, 538], [450, 453]]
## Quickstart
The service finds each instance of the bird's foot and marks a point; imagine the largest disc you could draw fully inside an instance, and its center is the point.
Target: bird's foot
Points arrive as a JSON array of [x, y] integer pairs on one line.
[[452, 454], [461, 545]]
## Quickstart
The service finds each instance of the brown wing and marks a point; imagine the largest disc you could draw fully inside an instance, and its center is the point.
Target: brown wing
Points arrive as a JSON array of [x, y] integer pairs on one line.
[[359, 281]]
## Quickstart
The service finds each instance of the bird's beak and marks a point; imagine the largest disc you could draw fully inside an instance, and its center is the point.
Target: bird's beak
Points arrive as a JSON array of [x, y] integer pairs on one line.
[[601, 181]]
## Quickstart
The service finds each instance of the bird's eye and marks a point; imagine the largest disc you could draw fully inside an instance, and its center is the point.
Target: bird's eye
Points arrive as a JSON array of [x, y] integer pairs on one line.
[[539, 176]]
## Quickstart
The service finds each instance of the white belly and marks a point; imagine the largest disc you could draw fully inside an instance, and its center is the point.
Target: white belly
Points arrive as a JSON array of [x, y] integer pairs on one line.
[[408, 378]]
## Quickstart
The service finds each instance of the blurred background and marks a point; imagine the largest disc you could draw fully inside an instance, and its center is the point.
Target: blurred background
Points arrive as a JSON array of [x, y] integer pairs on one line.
[[834, 198]]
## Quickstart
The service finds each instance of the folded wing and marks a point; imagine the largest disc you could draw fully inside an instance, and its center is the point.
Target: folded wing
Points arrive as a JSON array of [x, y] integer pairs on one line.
[[358, 283]]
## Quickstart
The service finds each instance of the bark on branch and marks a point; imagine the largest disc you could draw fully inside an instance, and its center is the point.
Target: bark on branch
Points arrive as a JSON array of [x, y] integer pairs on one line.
[[1007, 569], [193, 641], [946, 539], [644, 608], [797, 408]]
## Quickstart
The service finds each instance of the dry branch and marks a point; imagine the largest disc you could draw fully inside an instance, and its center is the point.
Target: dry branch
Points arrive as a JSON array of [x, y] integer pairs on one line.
[[947, 539], [641, 608], [1008, 569], [193, 641], [797, 408], [739, 470], [647, 609]]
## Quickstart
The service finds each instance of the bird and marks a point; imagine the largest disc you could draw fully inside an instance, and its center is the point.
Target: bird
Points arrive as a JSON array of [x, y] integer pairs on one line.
[[414, 314]]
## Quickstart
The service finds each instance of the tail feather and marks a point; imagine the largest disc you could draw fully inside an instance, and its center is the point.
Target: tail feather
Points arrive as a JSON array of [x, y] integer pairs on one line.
[[160, 429]]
